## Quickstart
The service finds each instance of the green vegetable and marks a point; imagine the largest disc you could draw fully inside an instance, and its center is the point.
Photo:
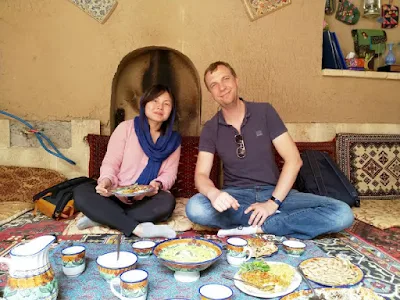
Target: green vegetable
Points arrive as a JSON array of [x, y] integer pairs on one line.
[[257, 265]]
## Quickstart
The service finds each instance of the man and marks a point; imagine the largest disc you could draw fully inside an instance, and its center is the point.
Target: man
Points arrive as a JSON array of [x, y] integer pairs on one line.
[[255, 198]]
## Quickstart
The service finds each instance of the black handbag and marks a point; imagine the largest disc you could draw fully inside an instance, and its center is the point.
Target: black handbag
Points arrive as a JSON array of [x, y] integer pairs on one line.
[[57, 201]]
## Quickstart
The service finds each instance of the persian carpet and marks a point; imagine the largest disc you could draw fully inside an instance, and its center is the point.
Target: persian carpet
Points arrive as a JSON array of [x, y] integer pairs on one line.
[[387, 240], [162, 284], [381, 272], [374, 250]]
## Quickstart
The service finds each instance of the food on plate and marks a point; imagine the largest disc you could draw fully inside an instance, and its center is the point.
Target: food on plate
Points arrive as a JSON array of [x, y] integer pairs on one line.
[[359, 293], [187, 253], [331, 271], [270, 278], [132, 189], [261, 247]]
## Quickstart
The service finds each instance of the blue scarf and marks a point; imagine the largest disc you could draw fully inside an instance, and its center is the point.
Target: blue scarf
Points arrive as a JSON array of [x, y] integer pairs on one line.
[[165, 145]]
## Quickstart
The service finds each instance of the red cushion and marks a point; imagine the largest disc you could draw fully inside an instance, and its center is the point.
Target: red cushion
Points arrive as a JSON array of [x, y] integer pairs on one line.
[[184, 184]]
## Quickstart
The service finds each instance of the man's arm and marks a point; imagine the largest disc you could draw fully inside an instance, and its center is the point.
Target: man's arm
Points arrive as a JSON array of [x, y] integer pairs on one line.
[[287, 149], [202, 172], [221, 201]]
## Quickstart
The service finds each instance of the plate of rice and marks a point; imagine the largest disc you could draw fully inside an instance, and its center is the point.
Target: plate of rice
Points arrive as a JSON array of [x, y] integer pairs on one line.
[[275, 279]]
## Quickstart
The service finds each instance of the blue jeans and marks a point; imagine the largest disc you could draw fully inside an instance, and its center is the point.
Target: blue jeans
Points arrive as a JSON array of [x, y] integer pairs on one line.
[[302, 215]]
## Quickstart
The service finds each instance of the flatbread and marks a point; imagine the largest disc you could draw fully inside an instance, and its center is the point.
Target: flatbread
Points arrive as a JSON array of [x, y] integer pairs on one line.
[[331, 271], [261, 247], [359, 293]]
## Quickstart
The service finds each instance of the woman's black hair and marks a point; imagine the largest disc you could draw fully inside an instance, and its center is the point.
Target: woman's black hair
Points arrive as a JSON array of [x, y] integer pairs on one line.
[[152, 93]]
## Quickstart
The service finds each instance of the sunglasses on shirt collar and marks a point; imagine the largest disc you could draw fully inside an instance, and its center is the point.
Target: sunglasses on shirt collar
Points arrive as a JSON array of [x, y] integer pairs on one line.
[[241, 149]]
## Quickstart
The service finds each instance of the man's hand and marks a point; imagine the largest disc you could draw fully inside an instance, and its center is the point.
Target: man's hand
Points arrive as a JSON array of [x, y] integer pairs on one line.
[[103, 186], [156, 187], [261, 211], [224, 201]]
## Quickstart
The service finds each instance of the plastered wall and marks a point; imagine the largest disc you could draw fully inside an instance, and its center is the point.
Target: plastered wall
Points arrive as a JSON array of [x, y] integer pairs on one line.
[[57, 63]]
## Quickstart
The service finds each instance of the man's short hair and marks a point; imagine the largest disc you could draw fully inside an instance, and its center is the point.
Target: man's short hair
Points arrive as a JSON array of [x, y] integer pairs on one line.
[[212, 67]]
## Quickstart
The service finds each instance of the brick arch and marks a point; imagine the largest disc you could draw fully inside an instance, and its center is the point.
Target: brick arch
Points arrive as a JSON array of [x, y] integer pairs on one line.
[[150, 65]]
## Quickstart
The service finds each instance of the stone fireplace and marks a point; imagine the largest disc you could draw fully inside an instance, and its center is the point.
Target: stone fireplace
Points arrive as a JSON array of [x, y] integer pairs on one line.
[[144, 67]]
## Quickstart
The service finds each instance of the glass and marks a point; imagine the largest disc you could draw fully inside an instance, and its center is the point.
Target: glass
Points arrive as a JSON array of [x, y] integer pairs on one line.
[[372, 8], [241, 149]]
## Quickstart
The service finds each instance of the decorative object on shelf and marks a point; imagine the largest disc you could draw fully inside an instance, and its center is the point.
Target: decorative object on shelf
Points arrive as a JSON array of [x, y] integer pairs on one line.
[[100, 10], [330, 7], [391, 68], [259, 8], [390, 15], [332, 55], [347, 12], [372, 9], [354, 63], [369, 60], [390, 58], [368, 40]]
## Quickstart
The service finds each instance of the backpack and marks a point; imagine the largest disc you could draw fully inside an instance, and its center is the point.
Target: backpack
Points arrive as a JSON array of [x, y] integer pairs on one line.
[[320, 175], [57, 201]]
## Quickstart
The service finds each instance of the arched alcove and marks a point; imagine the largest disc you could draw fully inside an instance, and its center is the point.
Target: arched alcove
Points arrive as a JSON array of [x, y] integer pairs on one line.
[[144, 67]]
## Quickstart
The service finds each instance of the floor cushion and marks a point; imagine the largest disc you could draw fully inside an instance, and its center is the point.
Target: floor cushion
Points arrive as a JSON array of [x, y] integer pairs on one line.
[[11, 210], [382, 214], [178, 221], [17, 187]]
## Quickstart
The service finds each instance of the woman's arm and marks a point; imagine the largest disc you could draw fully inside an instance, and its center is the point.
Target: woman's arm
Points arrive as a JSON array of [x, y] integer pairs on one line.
[[111, 164], [169, 170]]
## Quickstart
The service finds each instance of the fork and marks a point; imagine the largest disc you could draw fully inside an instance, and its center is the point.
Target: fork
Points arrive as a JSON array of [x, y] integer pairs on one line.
[[314, 295]]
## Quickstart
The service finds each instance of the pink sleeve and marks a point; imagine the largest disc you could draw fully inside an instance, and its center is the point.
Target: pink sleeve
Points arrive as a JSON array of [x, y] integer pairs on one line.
[[111, 164], [169, 169]]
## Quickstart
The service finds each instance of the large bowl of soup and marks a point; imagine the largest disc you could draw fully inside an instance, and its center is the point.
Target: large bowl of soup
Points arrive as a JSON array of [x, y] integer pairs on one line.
[[187, 256]]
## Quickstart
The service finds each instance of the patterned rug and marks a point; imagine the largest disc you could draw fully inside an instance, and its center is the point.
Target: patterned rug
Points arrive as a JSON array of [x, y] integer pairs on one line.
[[374, 250], [387, 241], [162, 284]]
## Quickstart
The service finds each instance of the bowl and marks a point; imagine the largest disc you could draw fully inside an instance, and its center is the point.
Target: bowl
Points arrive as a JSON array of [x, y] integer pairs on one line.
[[215, 291], [110, 268], [294, 248], [143, 248], [187, 256]]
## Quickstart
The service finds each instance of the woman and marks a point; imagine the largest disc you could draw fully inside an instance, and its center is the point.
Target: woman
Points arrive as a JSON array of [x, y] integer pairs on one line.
[[144, 151]]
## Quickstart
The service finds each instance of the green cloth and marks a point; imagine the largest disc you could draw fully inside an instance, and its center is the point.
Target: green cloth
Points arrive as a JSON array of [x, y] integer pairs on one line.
[[368, 40]]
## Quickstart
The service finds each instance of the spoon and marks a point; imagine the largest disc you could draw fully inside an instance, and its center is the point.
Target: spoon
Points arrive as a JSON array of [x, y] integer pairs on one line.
[[118, 244], [314, 295], [263, 287]]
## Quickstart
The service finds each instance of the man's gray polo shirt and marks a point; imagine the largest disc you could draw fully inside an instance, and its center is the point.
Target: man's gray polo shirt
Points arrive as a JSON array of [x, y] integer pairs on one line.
[[260, 126]]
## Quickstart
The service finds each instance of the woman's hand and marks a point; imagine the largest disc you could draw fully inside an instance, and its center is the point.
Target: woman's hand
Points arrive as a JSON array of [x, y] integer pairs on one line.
[[103, 186], [156, 187], [125, 200]]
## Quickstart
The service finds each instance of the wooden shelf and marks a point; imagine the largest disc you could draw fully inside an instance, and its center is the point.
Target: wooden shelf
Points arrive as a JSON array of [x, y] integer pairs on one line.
[[361, 74]]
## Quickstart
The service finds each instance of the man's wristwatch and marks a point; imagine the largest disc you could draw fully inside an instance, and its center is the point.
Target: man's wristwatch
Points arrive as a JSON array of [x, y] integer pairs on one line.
[[277, 201]]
